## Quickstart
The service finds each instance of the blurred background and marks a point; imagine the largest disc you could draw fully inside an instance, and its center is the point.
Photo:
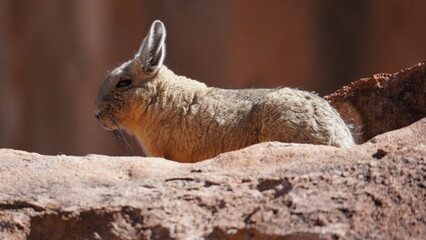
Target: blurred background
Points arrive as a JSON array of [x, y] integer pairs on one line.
[[54, 55]]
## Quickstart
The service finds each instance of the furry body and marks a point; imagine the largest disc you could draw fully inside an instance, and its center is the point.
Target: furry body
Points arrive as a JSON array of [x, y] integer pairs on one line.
[[184, 120]]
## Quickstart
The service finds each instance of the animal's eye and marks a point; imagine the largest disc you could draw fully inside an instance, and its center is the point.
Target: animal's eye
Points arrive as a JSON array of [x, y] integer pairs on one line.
[[123, 83]]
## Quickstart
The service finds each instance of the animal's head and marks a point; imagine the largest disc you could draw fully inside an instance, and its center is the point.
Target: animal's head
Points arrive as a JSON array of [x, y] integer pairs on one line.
[[127, 88]]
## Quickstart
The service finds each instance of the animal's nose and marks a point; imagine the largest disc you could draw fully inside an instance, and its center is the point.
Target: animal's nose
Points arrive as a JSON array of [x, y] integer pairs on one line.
[[97, 113]]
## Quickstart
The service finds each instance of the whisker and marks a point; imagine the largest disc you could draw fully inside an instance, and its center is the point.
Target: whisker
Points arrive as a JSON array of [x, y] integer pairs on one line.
[[119, 135], [124, 144], [114, 121], [126, 140], [131, 119]]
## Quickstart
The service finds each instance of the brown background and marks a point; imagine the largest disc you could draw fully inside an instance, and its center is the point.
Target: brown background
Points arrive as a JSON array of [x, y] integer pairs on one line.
[[55, 53]]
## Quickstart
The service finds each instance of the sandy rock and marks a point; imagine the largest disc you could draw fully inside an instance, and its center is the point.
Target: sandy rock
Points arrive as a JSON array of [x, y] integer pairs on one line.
[[376, 190], [383, 102]]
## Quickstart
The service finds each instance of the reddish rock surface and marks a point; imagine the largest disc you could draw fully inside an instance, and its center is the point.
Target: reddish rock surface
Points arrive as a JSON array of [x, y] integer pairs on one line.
[[376, 190], [383, 102]]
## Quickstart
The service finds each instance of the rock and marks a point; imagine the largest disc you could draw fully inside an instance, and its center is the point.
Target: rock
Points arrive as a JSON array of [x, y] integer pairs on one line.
[[383, 102], [376, 190]]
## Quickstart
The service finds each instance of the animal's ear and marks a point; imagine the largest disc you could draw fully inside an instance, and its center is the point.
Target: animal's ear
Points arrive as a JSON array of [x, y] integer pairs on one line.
[[153, 48]]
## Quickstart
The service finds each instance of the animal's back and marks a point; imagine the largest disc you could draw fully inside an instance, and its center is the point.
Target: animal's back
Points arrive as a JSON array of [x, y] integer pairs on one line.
[[287, 115]]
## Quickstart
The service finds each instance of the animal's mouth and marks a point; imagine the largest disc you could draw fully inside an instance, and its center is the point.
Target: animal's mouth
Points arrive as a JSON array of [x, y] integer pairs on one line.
[[107, 120], [105, 125]]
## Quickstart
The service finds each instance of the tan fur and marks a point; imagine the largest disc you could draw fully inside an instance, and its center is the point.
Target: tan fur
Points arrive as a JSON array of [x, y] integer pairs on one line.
[[186, 121]]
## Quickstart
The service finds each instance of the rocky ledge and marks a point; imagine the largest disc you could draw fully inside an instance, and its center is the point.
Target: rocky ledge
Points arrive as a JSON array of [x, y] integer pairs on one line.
[[375, 190]]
